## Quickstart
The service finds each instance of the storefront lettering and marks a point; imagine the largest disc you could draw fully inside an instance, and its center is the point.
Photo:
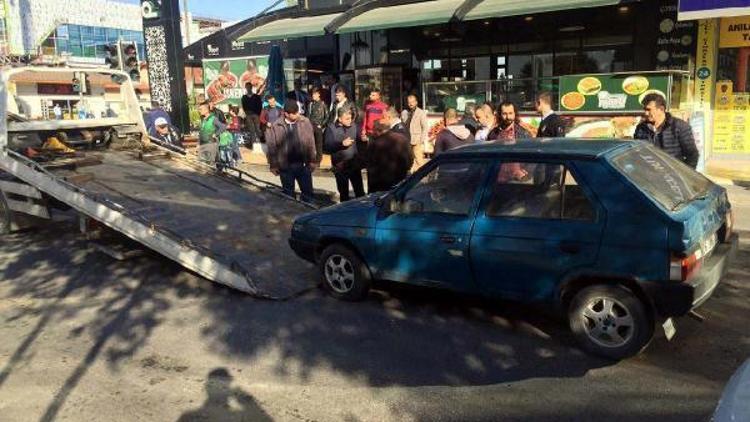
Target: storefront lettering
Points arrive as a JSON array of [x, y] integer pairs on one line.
[[739, 27]]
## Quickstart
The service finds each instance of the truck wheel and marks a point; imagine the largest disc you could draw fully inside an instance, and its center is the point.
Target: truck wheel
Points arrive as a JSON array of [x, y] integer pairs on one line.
[[345, 275], [610, 321], [5, 215]]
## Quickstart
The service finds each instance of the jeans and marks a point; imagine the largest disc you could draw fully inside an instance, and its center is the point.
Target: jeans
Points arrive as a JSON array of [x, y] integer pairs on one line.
[[300, 173], [343, 177], [252, 127], [318, 133]]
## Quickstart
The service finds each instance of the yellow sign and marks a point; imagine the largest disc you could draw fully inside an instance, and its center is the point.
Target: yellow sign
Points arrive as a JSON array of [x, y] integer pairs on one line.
[[731, 120], [734, 32]]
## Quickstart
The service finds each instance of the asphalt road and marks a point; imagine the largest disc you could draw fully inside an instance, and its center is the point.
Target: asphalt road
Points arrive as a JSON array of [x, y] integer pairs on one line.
[[85, 337]]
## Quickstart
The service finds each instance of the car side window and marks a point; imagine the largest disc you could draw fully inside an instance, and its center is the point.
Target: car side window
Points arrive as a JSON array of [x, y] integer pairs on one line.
[[576, 205], [537, 190], [450, 188]]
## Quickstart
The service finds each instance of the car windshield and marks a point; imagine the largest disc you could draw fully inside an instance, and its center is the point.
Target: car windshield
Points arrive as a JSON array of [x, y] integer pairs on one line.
[[668, 181]]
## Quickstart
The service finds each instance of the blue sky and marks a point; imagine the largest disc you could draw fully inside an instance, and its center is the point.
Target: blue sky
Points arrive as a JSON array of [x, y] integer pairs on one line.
[[230, 10]]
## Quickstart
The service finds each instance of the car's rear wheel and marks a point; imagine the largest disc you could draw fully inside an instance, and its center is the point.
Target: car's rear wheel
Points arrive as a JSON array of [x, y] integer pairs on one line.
[[610, 321], [345, 275]]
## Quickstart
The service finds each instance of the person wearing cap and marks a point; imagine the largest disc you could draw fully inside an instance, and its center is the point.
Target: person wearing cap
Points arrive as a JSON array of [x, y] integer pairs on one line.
[[156, 112], [165, 133]]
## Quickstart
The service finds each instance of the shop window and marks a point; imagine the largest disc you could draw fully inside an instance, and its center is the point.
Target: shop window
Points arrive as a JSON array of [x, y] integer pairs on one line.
[[112, 35], [62, 32], [731, 118]]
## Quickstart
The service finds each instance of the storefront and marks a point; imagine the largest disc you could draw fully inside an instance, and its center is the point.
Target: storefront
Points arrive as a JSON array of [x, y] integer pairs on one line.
[[722, 93], [452, 53]]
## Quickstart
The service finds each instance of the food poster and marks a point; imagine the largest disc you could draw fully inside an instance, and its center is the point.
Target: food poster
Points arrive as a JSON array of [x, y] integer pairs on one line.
[[609, 93], [225, 79]]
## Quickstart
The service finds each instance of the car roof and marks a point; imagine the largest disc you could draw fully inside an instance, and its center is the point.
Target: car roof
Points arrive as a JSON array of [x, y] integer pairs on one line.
[[547, 147]]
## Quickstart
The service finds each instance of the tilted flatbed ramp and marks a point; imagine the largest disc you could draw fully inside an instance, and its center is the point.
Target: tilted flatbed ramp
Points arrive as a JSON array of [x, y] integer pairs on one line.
[[228, 232]]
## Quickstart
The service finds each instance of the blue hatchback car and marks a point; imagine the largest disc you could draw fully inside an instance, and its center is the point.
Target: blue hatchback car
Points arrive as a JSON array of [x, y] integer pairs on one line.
[[620, 235]]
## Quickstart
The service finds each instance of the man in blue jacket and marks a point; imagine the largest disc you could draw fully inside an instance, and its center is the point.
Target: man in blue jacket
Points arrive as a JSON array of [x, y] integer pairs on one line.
[[341, 141]]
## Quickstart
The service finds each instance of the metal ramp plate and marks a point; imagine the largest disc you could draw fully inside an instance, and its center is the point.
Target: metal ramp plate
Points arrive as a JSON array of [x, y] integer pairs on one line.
[[243, 227]]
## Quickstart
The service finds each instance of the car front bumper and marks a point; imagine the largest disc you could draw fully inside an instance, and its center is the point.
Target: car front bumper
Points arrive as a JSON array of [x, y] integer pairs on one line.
[[673, 299], [303, 249]]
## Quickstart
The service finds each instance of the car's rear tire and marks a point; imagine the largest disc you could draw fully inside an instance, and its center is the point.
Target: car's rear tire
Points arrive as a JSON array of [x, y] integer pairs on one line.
[[610, 321], [345, 275]]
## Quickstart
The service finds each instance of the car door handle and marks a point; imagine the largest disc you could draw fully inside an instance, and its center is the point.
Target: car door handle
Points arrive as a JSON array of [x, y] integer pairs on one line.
[[571, 248], [448, 239]]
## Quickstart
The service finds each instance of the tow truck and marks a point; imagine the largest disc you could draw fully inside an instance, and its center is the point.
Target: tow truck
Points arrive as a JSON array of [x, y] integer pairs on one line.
[[124, 188]]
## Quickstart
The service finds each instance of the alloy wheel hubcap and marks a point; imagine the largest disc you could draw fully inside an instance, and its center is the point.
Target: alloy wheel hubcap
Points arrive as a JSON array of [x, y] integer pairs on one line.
[[608, 322], [339, 273]]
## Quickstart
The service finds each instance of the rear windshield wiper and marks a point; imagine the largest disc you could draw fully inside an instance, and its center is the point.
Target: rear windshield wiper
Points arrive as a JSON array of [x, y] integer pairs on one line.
[[698, 197]]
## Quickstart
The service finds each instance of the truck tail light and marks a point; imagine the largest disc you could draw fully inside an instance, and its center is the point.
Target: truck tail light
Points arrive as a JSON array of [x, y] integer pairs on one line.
[[682, 267]]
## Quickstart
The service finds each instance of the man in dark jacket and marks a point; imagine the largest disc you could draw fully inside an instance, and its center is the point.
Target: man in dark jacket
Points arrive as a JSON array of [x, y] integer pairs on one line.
[[394, 122], [341, 141], [667, 132], [291, 151], [551, 126], [318, 116], [389, 157], [453, 135], [252, 105], [509, 124], [341, 100]]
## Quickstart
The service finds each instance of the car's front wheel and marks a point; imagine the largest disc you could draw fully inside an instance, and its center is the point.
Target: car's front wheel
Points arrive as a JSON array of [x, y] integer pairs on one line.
[[610, 321], [345, 275]]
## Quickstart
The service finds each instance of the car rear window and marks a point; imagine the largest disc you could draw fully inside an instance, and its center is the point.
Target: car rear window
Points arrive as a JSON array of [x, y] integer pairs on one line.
[[668, 181]]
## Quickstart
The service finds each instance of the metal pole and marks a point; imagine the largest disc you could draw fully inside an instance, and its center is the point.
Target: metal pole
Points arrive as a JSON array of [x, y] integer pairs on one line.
[[187, 22]]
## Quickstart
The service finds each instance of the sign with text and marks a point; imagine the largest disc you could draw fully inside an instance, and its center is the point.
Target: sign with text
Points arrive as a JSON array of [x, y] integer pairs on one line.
[[615, 92], [734, 32], [225, 79], [675, 41], [706, 9], [705, 64]]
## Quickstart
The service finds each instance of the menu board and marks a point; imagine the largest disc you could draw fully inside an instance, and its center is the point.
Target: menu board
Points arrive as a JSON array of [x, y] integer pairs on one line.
[[676, 39], [610, 93], [731, 120]]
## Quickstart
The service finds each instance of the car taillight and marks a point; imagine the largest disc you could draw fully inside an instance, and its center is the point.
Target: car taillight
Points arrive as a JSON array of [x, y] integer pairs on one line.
[[682, 267]]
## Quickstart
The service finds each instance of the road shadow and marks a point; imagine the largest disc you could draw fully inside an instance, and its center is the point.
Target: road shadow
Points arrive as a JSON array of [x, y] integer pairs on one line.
[[58, 279], [225, 402]]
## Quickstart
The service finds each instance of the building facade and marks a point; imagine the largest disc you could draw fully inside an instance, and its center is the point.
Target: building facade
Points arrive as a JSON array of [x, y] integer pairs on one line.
[[76, 29]]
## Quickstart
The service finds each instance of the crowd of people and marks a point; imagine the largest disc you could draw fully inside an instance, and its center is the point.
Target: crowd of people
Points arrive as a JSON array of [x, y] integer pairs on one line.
[[388, 144]]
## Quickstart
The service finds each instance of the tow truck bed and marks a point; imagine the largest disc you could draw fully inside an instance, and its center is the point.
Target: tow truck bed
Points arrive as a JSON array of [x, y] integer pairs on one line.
[[227, 231]]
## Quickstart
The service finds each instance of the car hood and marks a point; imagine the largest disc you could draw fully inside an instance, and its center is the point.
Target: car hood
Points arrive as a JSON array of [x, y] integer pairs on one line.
[[358, 212]]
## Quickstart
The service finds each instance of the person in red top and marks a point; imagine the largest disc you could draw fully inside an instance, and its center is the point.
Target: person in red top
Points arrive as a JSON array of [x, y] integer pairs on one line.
[[374, 111]]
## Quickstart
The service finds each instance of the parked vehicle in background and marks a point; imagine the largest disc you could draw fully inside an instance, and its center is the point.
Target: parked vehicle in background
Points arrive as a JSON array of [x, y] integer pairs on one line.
[[734, 404], [618, 234]]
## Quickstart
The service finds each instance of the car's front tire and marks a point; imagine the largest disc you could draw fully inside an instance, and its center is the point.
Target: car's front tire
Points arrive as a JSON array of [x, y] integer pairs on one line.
[[610, 321], [345, 275]]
